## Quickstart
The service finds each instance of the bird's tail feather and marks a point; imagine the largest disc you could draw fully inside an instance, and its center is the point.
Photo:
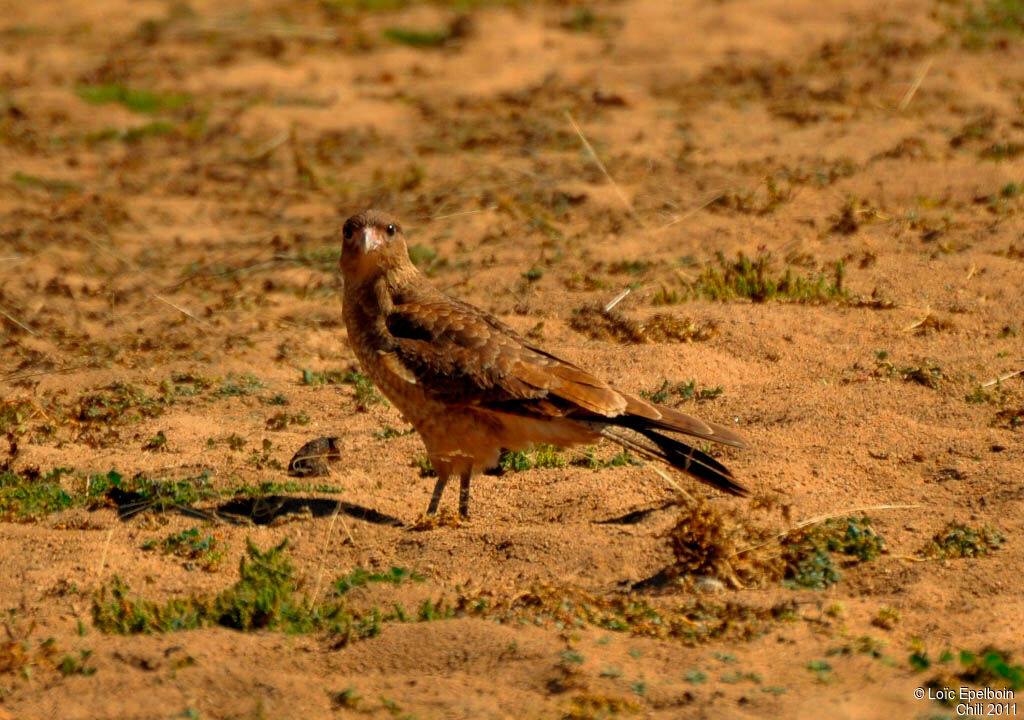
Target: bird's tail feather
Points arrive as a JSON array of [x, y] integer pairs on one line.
[[655, 446]]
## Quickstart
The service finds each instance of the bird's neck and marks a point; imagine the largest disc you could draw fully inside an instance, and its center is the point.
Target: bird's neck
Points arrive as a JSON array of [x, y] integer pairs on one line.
[[369, 301]]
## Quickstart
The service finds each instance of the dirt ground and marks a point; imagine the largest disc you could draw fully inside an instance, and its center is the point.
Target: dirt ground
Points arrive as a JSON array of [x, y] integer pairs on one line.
[[173, 177]]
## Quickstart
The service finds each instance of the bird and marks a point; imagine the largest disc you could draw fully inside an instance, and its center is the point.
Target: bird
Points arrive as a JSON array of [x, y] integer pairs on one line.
[[473, 387]]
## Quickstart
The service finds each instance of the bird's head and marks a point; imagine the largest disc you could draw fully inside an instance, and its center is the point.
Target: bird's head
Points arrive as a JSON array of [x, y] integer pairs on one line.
[[372, 244]]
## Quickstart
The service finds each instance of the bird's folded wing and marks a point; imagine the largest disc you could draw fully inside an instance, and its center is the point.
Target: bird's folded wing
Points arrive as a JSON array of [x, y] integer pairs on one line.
[[462, 355]]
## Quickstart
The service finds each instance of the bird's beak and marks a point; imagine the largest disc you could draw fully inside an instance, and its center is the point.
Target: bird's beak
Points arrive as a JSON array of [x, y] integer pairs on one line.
[[371, 239]]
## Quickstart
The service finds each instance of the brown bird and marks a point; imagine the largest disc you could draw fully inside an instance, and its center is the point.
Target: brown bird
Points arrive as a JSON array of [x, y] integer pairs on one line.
[[472, 386]]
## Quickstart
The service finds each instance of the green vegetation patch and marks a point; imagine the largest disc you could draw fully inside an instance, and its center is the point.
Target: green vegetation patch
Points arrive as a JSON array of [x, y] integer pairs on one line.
[[541, 456], [140, 101], [266, 596], [809, 555], [52, 185], [30, 494], [418, 38], [361, 577], [957, 540]]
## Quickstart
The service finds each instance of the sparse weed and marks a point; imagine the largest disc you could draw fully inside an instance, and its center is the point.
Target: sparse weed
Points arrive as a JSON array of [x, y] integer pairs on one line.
[[192, 546], [957, 540]]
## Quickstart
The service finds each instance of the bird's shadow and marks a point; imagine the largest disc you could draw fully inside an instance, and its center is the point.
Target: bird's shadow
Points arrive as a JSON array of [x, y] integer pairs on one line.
[[263, 510]]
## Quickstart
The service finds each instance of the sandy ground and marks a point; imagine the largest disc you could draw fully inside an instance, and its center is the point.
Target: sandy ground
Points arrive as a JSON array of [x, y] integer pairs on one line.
[[172, 181]]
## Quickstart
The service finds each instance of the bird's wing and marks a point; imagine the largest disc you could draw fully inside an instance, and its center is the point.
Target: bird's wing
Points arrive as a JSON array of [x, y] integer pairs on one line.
[[461, 355]]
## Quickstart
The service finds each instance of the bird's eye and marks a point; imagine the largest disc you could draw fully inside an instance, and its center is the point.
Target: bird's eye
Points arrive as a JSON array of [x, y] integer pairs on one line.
[[391, 229], [348, 232]]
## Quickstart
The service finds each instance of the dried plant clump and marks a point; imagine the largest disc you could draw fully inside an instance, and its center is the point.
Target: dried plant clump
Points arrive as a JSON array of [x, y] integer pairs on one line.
[[707, 543]]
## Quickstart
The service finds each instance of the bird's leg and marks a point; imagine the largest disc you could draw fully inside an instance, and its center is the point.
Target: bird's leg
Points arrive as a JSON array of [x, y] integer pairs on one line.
[[464, 492], [442, 480]]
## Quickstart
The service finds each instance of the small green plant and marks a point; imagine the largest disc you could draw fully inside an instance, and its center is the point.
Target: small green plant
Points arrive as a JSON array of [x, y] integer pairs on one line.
[[533, 274], [588, 459], [572, 657], [265, 460], [821, 669], [957, 540], [281, 420], [886, 618], [155, 443], [389, 432], [808, 554], [70, 665], [696, 677], [346, 698]]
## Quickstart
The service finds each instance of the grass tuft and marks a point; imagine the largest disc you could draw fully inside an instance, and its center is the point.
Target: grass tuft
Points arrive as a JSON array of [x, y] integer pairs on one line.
[[757, 279]]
